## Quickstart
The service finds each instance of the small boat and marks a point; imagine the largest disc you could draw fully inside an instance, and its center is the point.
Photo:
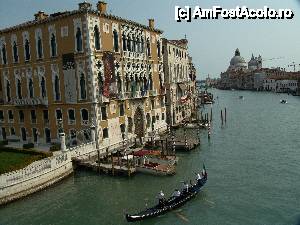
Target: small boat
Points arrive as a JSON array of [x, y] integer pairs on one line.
[[283, 101], [171, 203], [241, 97]]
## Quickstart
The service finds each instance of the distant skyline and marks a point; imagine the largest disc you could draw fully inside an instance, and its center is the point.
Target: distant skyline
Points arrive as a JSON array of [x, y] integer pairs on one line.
[[211, 42]]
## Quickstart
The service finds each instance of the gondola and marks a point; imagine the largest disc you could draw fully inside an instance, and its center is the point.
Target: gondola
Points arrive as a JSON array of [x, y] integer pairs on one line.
[[171, 203]]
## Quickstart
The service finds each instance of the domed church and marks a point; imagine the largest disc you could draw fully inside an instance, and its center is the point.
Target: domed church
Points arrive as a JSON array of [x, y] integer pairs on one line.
[[238, 63], [255, 63]]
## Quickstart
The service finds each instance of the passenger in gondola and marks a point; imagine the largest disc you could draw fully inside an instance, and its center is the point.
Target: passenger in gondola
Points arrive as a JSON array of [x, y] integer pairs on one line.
[[176, 193], [185, 187], [198, 177], [161, 198]]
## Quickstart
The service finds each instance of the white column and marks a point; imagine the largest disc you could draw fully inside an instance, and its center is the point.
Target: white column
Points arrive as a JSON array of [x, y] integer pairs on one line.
[[63, 141]]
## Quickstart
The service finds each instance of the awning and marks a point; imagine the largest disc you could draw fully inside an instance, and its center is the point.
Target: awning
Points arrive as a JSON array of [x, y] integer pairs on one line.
[[182, 87]]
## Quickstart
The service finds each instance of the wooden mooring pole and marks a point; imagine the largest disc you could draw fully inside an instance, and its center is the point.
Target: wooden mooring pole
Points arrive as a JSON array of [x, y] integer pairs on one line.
[[225, 115], [112, 165], [128, 167], [208, 130], [98, 151], [222, 116], [185, 139]]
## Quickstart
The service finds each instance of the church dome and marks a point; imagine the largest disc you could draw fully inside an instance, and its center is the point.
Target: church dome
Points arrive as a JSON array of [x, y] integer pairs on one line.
[[253, 61], [237, 60]]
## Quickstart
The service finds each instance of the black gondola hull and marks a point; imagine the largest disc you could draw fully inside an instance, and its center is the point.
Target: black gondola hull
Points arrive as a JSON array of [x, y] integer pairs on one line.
[[170, 204]]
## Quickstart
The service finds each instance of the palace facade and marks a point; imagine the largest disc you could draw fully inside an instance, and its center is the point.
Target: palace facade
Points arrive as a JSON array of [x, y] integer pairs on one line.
[[180, 75], [83, 67]]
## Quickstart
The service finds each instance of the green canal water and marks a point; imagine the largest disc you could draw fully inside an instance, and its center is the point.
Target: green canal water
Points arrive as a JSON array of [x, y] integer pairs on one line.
[[253, 175]]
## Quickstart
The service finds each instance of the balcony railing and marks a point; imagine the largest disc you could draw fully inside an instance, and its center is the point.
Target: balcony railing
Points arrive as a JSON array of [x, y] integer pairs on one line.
[[152, 93], [71, 122], [85, 122], [30, 101]]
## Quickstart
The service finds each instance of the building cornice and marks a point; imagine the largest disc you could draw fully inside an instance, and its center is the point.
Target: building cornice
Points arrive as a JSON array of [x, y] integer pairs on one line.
[[59, 15]]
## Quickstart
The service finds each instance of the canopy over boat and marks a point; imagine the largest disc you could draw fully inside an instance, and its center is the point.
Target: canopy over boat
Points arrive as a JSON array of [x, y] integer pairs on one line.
[[146, 152]]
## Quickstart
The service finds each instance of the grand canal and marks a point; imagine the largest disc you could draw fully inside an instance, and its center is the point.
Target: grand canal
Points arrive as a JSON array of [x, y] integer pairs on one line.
[[253, 175]]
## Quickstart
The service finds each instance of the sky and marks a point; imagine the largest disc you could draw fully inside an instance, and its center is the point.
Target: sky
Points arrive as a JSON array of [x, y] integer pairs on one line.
[[211, 42]]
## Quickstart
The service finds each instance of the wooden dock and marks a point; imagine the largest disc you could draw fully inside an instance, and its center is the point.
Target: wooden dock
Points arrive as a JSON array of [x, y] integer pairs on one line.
[[106, 168]]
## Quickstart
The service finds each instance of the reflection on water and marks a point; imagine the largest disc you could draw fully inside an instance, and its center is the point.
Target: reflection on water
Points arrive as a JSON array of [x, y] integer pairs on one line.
[[253, 175]]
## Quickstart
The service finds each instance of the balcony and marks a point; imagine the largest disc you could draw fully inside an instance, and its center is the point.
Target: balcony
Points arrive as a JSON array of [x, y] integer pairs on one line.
[[103, 99], [71, 122], [36, 101], [85, 122], [137, 94], [152, 93], [46, 121]]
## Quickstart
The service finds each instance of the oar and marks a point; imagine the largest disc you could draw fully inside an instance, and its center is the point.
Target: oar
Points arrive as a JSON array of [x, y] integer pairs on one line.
[[212, 203], [182, 217]]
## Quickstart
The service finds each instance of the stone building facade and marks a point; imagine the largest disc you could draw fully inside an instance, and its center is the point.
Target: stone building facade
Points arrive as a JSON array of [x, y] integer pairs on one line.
[[180, 75], [82, 67]]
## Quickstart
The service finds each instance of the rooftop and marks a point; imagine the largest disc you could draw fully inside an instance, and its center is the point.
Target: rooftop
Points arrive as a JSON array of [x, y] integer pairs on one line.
[[42, 18]]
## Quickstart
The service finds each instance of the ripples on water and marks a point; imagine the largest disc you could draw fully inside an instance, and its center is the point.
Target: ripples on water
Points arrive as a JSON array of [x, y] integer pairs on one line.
[[253, 166]]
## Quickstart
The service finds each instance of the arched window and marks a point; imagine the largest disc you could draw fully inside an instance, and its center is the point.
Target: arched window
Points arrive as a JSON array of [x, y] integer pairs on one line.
[[119, 83], [148, 48], [133, 44], [129, 44], [8, 91], [53, 45], [43, 87], [40, 50], [158, 48], [100, 83], [138, 45], [82, 87], [30, 87], [78, 40], [84, 115], [4, 54], [124, 43], [97, 37], [116, 41], [56, 88], [27, 50], [142, 45], [15, 51], [19, 89]]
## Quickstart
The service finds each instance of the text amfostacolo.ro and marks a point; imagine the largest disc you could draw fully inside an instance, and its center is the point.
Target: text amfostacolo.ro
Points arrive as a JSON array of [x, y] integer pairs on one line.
[[188, 13]]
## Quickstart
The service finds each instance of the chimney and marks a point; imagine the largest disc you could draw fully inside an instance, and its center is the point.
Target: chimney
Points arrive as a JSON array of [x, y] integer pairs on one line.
[[40, 15], [101, 6], [151, 23], [85, 6]]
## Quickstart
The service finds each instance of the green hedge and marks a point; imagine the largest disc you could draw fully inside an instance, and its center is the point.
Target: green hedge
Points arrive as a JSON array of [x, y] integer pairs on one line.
[[55, 147], [4, 142], [28, 146], [25, 151]]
